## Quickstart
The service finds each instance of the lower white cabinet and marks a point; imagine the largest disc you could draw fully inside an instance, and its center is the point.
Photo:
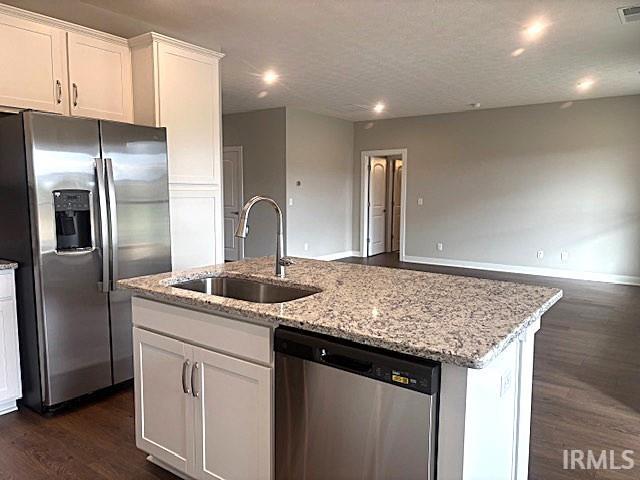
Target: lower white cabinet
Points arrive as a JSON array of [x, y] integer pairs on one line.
[[10, 383], [205, 414]]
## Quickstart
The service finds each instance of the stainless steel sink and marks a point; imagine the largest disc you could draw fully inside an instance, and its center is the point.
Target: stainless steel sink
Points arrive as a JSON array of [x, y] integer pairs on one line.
[[243, 289]]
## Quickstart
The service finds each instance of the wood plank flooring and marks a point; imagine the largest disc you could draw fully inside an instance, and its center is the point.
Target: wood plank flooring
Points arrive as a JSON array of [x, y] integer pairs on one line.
[[586, 394]]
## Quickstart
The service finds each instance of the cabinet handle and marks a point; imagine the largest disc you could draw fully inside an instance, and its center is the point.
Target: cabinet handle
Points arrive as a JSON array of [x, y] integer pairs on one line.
[[194, 392], [185, 386], [58, 91], [75, 95]]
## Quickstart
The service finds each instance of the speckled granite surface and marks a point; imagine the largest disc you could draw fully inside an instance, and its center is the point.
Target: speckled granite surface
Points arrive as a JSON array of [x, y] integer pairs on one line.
[[7, 265], [459, 320]]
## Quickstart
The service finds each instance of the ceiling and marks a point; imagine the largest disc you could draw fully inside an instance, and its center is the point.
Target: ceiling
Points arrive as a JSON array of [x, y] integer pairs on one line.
[[417, 56]]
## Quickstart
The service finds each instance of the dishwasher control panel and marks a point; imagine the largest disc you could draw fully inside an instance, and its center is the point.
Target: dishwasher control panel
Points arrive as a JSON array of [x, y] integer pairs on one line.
[[404, 371]]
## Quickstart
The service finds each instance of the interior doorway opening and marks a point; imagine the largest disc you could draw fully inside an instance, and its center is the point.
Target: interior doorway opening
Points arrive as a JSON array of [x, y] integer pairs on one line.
[[233, 193], [382, 201]]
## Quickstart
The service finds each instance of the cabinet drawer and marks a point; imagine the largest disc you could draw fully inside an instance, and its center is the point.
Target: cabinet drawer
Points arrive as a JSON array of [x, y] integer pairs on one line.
[[6, 285], [234, 337]]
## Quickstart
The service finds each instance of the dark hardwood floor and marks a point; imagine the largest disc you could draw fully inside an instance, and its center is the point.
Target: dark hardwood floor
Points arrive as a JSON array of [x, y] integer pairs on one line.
[[586, 395]]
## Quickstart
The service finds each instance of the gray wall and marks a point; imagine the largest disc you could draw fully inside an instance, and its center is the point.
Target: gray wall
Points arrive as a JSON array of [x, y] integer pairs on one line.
[[498, 185], [320, 156], [262, 134]]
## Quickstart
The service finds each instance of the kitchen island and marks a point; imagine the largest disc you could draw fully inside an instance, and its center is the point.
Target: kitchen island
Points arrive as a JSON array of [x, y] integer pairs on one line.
[[480, 331]]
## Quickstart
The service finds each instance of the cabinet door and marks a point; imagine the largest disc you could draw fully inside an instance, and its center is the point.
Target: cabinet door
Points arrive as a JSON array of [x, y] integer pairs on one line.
[[163, 401], [9, 359], [193, 226], [189, 106], [33, 58], [233, 418], [100, 78]]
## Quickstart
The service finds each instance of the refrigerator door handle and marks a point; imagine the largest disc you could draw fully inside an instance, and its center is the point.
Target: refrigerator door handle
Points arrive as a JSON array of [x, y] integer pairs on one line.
[[104, 224], [113, 217]]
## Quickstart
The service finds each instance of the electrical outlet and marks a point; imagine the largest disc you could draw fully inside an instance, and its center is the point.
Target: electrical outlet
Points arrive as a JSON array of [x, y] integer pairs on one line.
[[564, 256], [306, 247], [540, 254], [506, 379], [420, 201], [439, 246]]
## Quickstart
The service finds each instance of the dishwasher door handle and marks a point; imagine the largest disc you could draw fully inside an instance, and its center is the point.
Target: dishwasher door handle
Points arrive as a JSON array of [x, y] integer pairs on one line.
[[342, 361]]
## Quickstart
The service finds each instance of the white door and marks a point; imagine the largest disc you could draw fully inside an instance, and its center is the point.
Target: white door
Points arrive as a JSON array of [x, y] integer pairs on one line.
[[163, 400], [233, 418], [9, 359], [33, 65], [396, 205], [100, 78], [233, 200], [377, 203]]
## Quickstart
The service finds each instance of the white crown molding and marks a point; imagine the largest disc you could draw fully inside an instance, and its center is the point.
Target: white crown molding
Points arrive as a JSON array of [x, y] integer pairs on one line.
[[147, 38], [54, 22], [541, 271]]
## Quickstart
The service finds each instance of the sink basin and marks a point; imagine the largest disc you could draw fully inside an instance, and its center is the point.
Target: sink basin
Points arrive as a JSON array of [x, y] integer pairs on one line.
[[243, 289]]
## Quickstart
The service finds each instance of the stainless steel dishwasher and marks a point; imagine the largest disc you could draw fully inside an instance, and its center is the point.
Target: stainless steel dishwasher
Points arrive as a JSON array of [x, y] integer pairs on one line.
[[347, 412]]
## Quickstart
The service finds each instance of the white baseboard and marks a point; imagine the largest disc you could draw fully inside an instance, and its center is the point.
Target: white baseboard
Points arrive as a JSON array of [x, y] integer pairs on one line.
[[542, 271], [338, 255]]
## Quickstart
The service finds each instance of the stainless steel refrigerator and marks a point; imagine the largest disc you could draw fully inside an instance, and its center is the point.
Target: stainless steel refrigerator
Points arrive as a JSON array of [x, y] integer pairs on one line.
[[83, 203]]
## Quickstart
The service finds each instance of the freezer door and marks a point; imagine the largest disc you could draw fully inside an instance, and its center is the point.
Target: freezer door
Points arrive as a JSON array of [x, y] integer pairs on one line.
[[73, 313], [136, 165]]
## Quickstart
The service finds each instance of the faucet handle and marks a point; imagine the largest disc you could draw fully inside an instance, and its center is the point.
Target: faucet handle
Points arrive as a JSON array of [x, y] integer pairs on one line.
[[286, 261]]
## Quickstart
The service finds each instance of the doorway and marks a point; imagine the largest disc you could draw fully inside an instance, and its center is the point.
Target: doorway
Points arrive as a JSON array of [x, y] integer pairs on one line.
[[233, 186], [383, 198]]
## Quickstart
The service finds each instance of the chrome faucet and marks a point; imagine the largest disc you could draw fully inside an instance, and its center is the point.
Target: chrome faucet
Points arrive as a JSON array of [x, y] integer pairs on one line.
[[241, 231]]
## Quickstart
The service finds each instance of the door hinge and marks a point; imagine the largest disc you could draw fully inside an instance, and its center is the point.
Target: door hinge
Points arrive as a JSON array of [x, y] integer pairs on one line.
[[368, 240]]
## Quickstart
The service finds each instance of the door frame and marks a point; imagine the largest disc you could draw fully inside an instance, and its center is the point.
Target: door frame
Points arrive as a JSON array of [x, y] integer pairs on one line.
[[364, 195], [237, 149]]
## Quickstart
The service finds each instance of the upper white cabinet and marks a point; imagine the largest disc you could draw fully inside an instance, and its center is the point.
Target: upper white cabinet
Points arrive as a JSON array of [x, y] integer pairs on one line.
[[55, 66], [177, 85], [33, 59], [100, 78]]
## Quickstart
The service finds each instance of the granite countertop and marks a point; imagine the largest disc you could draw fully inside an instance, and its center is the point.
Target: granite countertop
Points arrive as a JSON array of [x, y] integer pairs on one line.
[[452, 319], [7, 265]]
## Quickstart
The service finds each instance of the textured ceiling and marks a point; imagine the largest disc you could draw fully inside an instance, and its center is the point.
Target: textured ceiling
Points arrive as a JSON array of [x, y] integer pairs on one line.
[[419, 57]]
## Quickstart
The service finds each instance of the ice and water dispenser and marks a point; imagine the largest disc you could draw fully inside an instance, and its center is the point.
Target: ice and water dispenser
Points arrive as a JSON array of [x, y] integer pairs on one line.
[[73, 220]]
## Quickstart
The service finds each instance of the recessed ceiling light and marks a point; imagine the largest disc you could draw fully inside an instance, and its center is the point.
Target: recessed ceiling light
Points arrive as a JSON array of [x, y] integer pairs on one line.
[[517, 52], [263, 94], [534, 30], [269, 77], [475, 105], [585, 84], [379, 107]]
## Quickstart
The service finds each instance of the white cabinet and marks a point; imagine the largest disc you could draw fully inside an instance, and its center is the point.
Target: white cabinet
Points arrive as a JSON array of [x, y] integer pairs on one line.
[[100, 78], [233, 418], [193, 225], [10, 382], [55, 66], [202, 413], [164, 408], [33, 59], [177, 85]]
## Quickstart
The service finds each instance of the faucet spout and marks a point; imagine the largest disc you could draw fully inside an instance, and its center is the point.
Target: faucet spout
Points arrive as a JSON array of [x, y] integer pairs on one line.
[[242, 231]]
